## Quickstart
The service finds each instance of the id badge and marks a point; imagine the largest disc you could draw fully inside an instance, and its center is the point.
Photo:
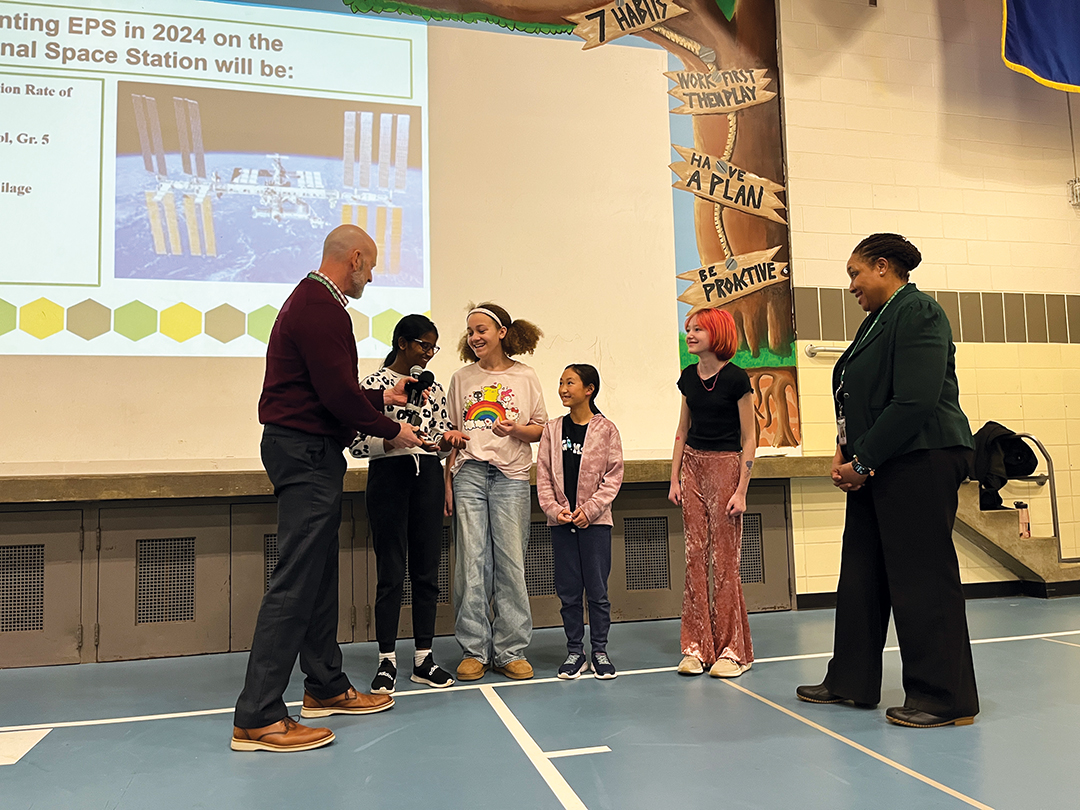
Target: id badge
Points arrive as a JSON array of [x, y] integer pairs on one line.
[[841, 431]]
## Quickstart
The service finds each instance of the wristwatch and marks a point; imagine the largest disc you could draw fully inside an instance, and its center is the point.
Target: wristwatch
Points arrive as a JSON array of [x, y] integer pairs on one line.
[[860, 468]]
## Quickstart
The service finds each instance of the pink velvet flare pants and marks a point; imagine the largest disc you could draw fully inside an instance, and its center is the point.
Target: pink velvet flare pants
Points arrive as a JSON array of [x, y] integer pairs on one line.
[[716, 627]]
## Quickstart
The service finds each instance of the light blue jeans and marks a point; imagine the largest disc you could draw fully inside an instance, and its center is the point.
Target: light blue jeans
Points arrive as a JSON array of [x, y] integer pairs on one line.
[[491, 529]]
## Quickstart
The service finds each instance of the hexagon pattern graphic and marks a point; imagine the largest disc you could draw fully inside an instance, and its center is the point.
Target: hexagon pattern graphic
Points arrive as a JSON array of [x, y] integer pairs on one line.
[[181, 322], [135, 320], [225, 323], [361, 324], [41, 318], [89, 319], [260, 322], [7, 317], [382, 325]]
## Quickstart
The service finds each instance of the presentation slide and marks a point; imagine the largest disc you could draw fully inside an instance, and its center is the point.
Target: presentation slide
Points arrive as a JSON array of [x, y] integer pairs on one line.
[[168, 176]]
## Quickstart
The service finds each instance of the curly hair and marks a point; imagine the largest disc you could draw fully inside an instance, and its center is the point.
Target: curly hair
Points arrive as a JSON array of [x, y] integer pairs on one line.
[[898, 251], [521, 336]]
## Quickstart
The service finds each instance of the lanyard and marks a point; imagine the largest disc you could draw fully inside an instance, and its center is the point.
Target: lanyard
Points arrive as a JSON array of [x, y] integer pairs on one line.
[[319, 277], [858, 343]]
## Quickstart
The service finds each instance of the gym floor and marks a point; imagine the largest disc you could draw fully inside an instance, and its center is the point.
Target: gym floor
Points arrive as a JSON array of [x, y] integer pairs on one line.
[[155, 734]]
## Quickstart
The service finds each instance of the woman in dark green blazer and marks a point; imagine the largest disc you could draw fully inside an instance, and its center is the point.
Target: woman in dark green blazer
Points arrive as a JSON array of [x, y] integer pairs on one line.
[[903, 448]]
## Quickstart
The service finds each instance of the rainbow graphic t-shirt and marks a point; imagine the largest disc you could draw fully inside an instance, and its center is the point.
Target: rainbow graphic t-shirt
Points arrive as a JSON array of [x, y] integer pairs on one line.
[[478, 399], [491, 404]]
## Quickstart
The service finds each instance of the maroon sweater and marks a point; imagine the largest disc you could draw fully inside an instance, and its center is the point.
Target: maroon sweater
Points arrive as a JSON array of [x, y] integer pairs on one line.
[[311, 381]]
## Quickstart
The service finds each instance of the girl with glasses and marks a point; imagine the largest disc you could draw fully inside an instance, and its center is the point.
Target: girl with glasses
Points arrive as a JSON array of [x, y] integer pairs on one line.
[[405, 507]]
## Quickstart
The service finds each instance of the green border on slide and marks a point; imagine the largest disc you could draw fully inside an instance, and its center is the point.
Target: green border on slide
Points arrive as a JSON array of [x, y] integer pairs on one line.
[[395, 7]]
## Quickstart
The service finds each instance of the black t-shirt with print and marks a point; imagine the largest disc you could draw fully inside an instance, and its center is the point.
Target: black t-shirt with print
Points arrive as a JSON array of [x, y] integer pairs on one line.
[[714, 407], [573, 439]]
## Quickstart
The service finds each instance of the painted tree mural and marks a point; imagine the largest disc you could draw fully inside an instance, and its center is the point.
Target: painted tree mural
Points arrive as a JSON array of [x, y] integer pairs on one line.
[[734, 168]]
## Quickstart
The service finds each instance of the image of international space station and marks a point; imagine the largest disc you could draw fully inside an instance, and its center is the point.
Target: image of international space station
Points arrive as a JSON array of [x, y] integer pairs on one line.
[[184, 201]]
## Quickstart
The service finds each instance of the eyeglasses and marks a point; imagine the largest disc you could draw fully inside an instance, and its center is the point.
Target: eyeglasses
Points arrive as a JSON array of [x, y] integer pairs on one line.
[[427, 347]]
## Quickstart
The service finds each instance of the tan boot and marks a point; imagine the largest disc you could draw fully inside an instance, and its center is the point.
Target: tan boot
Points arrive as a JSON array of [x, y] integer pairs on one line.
[[690, 665], [471, 669], [726, 668], [519, 670], [283, 736], [350, 702]]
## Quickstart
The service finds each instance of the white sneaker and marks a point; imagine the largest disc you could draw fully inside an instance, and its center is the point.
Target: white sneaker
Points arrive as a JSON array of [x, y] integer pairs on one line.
[[690, 665], [726, 668]]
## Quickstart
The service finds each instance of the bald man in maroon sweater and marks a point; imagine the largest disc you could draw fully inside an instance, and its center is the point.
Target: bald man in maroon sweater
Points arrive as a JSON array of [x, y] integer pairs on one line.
[[312, 407]]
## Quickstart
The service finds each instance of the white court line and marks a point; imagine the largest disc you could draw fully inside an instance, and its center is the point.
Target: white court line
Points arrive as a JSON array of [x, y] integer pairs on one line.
[[474, 686], [1026, 638], [1056, 641], [548, 772], [577, 752], [14, 745], [863, 749]]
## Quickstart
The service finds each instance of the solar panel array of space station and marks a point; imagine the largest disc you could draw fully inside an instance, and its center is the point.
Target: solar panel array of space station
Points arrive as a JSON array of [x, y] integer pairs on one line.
[[372, 172]]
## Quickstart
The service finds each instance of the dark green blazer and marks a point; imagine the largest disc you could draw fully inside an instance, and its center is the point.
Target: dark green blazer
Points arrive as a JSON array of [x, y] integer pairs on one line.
[[900, 392]]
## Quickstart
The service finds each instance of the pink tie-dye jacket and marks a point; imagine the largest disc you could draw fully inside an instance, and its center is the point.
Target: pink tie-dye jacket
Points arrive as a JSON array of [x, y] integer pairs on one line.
[[599, 477]]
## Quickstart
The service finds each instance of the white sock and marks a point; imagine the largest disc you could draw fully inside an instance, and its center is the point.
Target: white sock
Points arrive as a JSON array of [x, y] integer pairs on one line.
[[390, 656], [419, 656]]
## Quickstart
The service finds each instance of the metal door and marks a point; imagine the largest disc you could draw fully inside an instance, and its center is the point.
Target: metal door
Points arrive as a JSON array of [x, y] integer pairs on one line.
[[40, 593]]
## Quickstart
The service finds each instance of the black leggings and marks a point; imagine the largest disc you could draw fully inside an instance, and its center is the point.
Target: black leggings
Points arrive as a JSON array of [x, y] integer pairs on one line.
[[405, 506]]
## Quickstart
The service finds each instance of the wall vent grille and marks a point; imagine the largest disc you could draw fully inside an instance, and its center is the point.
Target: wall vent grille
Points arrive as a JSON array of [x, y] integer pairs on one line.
[[444, 573], [645, 542], [270, 558], [165, 580], [752, 560], [540, 561], [22, 588]]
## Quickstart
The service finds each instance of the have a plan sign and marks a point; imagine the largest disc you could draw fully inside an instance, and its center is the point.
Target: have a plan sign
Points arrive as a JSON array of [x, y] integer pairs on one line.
[[724, 183]]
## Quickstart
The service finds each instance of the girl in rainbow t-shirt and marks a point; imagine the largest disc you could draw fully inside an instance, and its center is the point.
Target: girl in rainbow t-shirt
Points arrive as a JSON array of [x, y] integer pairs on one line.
[[498, 403]]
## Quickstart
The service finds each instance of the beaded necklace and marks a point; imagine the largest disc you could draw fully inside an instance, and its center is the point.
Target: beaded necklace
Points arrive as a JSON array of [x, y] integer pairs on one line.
[[716, 378]]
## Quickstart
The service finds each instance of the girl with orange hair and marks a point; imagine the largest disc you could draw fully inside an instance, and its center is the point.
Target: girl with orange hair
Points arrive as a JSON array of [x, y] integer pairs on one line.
[[710, 472]]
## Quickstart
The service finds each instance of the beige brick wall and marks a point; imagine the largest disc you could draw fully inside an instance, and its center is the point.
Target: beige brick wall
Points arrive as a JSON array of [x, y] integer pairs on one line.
[[903, 118]]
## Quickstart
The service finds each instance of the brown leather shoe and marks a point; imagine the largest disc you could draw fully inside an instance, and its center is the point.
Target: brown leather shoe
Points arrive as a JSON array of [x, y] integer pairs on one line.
[[519, 670], [283, 736], [351, 702], [471, 669]]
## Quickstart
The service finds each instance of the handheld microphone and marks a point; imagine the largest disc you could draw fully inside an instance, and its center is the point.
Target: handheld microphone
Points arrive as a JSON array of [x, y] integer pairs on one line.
[[415, 392]]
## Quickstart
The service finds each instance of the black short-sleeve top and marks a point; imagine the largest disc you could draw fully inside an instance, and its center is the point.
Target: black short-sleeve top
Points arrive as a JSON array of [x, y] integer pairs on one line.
[[714, 407]]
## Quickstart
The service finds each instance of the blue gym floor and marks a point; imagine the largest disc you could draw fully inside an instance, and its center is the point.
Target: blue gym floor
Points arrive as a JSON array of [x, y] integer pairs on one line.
[[155, 734]]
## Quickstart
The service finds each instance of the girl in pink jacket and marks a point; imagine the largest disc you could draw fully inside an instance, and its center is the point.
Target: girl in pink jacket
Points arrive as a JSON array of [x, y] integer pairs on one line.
[[578, 474]]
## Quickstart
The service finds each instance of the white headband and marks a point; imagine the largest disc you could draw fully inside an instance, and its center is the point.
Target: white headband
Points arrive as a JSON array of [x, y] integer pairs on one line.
[[487, 312]]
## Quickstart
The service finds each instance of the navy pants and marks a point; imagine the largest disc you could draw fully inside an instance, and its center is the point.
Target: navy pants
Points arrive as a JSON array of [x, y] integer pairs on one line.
[[582, 565], [299, 612]]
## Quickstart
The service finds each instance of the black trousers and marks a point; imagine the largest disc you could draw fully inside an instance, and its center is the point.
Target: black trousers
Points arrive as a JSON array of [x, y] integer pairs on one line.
[[299, 612], [582, 564], [898, 554], [405, 509]]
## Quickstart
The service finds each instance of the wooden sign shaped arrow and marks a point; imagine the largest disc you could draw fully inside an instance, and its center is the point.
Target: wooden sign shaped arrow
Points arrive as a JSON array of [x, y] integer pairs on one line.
[[718, 284], [619, 18], [720, 92], [724, 183]]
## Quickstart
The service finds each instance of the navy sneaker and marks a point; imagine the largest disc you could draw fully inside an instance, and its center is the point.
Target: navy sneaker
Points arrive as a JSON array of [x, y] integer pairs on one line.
[[573, 666], [431, 673], [602, 667], [385, 679]]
